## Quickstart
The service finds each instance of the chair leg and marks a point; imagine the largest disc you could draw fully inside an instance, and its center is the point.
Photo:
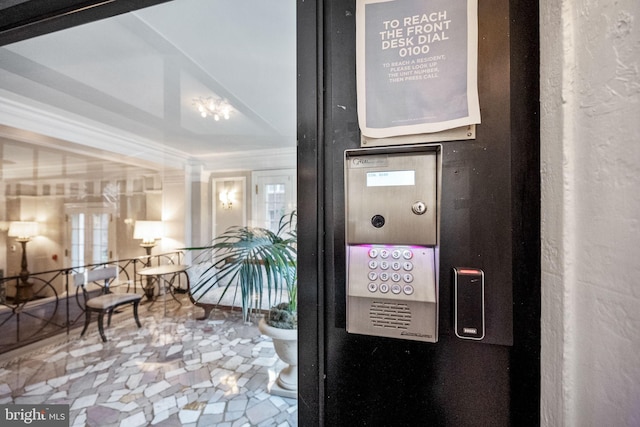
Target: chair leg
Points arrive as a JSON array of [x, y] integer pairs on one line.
[[208, 308], [207, 311], [87, 320], [101, 326], [135, 313], [109, 317]]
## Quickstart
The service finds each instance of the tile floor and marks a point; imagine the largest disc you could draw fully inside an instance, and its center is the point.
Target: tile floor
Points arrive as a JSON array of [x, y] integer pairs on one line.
[[174, 371]]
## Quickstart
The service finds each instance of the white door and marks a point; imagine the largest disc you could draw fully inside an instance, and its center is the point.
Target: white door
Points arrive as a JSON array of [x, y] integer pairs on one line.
[[88, 236], [274, 195]]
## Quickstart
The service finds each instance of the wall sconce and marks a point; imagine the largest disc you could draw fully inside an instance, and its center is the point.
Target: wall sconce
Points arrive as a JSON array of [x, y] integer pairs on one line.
[[149, 232], [23, 231], [226, 198], [227, 195]]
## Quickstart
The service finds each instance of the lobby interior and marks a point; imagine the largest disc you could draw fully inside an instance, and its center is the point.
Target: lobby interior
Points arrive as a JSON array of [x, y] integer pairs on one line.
[[104, 120]]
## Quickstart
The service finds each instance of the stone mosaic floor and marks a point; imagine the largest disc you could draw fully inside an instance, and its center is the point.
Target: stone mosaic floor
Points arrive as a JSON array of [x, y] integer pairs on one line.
[[174, 371]]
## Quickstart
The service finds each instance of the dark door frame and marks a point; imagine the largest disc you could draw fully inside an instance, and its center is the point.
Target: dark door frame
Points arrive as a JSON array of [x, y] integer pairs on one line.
[[311, 190], [33, 18]]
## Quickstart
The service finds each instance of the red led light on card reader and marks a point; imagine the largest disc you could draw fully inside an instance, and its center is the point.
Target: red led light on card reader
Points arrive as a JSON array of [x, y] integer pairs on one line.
[[469, 271]]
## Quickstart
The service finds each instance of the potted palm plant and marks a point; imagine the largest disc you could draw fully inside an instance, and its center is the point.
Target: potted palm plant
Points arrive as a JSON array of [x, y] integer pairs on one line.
[[260, 264]]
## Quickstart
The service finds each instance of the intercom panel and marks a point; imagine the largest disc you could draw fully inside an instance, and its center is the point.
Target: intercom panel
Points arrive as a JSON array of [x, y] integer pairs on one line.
[[392, 221]]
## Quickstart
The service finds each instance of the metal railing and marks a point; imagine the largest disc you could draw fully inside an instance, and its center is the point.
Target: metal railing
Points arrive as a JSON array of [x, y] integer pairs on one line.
[[56, 307]]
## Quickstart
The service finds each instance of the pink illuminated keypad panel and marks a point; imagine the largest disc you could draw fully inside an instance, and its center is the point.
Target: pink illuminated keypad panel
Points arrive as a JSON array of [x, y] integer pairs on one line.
[[399, 272], [390, 270]]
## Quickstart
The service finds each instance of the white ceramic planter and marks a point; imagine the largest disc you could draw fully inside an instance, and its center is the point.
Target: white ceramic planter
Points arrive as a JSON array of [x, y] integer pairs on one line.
[[285, 342]]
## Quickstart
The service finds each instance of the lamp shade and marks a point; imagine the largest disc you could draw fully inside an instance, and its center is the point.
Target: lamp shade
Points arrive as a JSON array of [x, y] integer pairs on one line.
[[23, 230], [148, 231]]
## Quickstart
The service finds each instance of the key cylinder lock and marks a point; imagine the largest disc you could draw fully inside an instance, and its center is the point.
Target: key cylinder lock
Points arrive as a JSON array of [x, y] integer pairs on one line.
[[419, 208]]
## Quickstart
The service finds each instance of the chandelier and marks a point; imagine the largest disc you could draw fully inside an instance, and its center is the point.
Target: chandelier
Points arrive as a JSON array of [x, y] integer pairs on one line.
[[215, 108]]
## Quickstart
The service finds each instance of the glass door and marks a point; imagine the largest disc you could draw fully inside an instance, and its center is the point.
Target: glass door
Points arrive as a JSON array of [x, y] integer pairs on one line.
[[274, 194], [88, 232]]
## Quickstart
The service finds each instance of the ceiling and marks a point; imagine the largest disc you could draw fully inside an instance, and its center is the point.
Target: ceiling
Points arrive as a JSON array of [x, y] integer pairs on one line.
[[123, 89]]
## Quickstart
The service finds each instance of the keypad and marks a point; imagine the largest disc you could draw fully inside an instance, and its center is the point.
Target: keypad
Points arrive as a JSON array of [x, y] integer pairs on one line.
[[398, 279]]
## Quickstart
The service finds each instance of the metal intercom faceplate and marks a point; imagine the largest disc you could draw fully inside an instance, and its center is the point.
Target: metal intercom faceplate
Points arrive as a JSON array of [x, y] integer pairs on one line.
[[392, 238]]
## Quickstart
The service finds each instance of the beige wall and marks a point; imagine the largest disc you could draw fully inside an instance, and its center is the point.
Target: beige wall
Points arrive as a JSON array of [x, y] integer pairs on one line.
[[590, 164]]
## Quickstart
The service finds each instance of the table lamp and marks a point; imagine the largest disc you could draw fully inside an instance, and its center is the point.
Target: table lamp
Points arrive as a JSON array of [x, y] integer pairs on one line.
[[23, 231], [149, 232]]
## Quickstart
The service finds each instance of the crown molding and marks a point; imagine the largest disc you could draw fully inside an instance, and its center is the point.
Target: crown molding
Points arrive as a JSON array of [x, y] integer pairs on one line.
[[265, 159], [30, 124], [128, 148]]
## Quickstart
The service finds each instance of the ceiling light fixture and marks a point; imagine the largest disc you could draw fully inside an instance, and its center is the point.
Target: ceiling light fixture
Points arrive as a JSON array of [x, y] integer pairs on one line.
[[216, 108]]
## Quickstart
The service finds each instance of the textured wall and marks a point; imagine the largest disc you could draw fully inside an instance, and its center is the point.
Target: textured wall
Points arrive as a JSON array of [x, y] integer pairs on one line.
[[590, 110]]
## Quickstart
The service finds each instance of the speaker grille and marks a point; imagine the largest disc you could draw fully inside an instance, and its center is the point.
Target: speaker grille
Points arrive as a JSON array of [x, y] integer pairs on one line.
[[390, 315]]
